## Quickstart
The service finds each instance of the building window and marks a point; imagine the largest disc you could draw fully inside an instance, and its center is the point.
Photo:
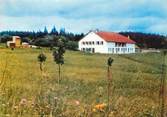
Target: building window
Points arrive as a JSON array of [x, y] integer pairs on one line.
[[83, 43], [86, 43], [116, 44], [97, 42], [101, 42], [90, 43], [93, 42], [123, 44], [87, 49], [116, 50], [120, 44], [113, 50]]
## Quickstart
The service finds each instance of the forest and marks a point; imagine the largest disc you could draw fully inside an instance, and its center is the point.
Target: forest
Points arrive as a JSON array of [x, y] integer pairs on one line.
[[48, 39], [144, 40]]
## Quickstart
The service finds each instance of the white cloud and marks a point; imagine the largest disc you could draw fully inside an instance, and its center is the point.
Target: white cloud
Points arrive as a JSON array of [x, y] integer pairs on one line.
[[80, 25], [83, 15]]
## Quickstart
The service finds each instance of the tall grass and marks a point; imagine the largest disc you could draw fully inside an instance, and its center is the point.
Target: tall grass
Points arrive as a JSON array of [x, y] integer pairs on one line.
[[24, 92]]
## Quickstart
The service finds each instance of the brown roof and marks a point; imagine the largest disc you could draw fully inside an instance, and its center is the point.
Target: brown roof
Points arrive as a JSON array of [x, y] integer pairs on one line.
[[114, 37]]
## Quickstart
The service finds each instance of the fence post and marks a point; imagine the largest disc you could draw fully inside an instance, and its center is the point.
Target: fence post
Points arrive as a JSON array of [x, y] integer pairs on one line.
[[109, 79], [163, 84]]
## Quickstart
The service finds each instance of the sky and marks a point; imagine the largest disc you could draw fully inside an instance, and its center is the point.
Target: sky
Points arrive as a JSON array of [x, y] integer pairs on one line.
[[148, 16]]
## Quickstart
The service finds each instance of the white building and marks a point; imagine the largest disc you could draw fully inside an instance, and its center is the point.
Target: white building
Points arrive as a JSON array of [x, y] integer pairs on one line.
[[106, 42], [16, 42]]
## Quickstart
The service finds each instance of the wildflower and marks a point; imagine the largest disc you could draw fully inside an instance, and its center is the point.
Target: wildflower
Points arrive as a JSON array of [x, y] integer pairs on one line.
[[23, 102], [7, 103], [94, 110], [55, 98], [112, 113], [153, 107], [8, 115], [15, 107], [66, 87], [100, 106], [77, 102], [32, 104], [3, 104]]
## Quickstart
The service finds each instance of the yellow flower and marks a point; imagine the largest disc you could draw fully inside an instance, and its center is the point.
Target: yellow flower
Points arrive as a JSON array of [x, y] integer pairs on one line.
[[100, 106], [94, 110]]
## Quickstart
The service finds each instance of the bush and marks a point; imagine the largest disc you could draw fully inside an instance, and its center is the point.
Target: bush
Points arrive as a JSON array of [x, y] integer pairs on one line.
[[42, 42], [5, 38], [72, 45]]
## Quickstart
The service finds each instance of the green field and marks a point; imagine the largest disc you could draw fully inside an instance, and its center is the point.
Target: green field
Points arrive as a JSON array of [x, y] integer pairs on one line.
[[26, 92]]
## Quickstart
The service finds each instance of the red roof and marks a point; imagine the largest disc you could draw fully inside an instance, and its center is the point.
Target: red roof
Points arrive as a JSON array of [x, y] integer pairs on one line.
[[114, 37]]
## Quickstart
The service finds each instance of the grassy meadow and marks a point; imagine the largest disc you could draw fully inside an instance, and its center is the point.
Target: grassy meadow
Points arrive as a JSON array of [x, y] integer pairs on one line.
[[26, 92]]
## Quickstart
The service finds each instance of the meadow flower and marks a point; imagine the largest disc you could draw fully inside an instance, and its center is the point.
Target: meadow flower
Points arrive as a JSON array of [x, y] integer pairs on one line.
[[94, 110], [32, 104], [7, 103], [23, 102], [77, 102], [15, 107], [7, 115], [112, 113], [66, 87], [55, 98], [100, 106], [3, 104]]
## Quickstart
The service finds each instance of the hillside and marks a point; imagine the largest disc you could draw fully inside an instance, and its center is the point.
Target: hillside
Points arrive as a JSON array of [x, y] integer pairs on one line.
[[27, 92]]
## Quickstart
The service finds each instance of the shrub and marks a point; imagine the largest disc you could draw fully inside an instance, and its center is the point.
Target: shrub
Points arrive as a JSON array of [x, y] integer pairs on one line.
[[72, 45]]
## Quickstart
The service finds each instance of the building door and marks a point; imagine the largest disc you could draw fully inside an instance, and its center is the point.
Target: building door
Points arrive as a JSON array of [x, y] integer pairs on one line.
[[93, 50]]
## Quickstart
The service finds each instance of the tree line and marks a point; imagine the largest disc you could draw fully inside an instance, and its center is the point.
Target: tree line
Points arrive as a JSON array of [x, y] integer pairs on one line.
[[145, 41], [49, 39], [44, 38]]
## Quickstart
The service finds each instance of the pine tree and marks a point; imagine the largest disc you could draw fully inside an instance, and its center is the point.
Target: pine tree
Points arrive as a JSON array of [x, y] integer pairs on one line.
[[45, 31], [62, 32], [54, 31]]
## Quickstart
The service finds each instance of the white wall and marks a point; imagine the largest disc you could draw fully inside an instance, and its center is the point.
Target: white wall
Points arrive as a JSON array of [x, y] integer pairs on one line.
[[131, 48], [111, 47], [101, 48], [128, 48]]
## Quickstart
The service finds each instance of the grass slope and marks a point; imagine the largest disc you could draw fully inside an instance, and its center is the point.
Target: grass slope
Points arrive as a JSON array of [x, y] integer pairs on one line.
[[25, 91]]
